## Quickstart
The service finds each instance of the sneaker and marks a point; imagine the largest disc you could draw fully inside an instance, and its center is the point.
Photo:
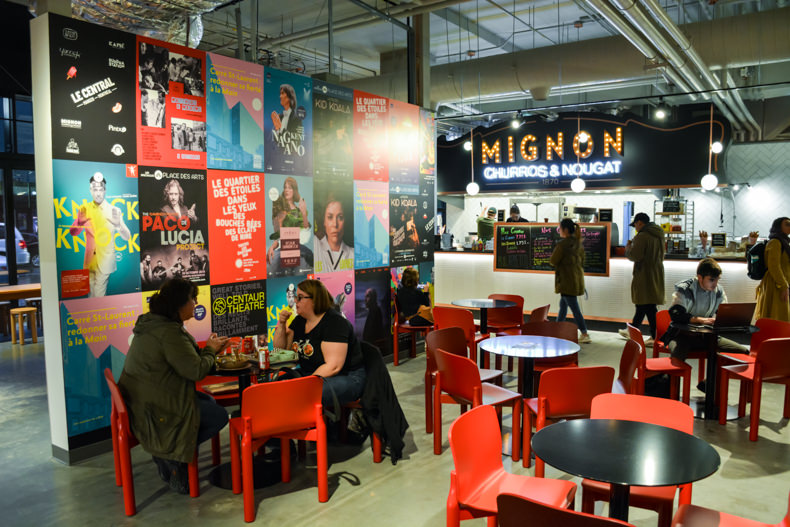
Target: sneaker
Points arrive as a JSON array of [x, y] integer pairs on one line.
[[584, 339], [649, 342], [623, 333], [162, 468]]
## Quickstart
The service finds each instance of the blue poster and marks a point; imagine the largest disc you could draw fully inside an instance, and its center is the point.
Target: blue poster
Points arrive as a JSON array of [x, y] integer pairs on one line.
[[280, 294], [371, 224], [288, 123]]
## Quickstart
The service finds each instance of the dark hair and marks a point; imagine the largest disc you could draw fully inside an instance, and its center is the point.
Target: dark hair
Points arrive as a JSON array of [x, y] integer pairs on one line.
[[322, 300], [410, 277], [515, 209], [319, 223], [165, 191], [572, 227], [709, 267], [290, 93], [776, 233], [172, 296]]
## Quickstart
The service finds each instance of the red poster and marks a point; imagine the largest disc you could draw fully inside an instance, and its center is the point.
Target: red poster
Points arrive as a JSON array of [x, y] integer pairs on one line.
[[371, 159], [171, 105], [236, 208]]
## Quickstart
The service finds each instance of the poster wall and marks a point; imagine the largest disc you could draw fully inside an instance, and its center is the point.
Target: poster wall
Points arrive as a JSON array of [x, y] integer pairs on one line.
[[288, 124], [234, 114]]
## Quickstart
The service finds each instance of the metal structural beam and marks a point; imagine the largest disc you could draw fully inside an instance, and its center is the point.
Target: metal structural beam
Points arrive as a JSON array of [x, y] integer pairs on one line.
[[467, 24]]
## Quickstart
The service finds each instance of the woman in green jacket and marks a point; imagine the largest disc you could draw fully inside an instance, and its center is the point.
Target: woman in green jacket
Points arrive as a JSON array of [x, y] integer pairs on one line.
[[568, 261], [167, 415]]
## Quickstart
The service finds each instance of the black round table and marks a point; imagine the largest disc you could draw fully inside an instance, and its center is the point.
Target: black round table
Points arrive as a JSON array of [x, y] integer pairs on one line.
[[625, 453], [483, 304], [527, 348]]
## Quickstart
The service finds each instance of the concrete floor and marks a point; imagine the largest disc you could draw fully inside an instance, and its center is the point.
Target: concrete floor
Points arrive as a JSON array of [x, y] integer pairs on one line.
[[753, 479]]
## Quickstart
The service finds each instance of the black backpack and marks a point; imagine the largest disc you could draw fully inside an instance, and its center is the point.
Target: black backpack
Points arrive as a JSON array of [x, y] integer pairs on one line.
[[755, 261]]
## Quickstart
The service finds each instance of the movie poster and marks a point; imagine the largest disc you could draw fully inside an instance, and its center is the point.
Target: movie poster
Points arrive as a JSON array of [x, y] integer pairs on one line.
[[334, 225], [288, 123], [371, 224], [427, 143], [372, 307], [341, 288], [280, 294], [371, 148], [173, 225], [425, 219], [403, 135], [404, 233], [92, 90], [171, 105], [238, 310], [95, 335], [234, 114], [289, 231], [97, 242], [199, 326], [333, 128], [236, 215]]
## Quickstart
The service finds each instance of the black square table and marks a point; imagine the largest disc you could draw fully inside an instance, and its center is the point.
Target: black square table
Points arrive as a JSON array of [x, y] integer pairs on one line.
[[625, 453]]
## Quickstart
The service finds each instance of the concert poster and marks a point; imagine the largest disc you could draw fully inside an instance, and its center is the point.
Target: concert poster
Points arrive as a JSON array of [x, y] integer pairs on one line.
[[173, 224], [171, 105], [341, 288], [199, 326], [289, 225], [92, 92], [96, 335], [404, 233], [333, 247], [372, 307], [280, 294], [236, 217], [234, 114], [403, 135], [371, 224], [287, 123], [371, 148], [239, 309], [97, 241], [427, 143], [425, 219], [333, 131]]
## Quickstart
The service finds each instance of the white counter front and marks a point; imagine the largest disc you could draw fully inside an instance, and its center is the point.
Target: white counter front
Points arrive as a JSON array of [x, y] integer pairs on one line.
[[471, 275]]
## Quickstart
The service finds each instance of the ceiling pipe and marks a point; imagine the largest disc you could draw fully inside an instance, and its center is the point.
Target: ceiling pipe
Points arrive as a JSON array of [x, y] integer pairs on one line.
[[730, 83]]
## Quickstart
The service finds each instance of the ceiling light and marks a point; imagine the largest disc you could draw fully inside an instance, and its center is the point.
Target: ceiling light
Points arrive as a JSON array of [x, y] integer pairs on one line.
[[736, 187], [661, 113], [716, 147], [578, 184], [472, 188], [709, 181], [515, 123], [468, 145]]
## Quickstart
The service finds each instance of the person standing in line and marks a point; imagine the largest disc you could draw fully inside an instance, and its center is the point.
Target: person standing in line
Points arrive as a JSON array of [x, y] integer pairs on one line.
[[568, 262], [773, 295], [646, 250]]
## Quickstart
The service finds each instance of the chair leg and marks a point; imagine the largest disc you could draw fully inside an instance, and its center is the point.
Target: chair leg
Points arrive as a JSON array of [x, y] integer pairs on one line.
[[674, 387], [322, 466], [786, 413], [665, 515], [687, 388], [701, 370], [437, 419], [724, 384], [285, 460], [516, 430], [754, 418], [744, 397], [13, 331], [33, 324], [413, 349], [395, 336], [588, 501], [428, 403], [216, 455], [491, 521], [375, 441], [248, 483], [235, 462], [126, 477], [526, 432], [194, 484]]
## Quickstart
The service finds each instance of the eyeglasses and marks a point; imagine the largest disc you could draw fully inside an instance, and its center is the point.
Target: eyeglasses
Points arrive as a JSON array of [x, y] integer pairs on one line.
[[299, 298]]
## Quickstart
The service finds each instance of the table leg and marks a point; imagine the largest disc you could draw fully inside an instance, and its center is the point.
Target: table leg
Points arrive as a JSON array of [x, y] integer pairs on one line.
[[526, 372], [483, 321], [711, 382], [618, 501]]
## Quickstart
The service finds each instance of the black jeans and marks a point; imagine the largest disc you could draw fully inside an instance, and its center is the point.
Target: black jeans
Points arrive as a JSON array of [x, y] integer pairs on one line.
[[213, 417], [649, 311]]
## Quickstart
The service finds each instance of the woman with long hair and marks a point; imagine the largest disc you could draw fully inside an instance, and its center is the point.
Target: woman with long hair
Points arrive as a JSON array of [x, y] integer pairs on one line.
[[412, 300], [288, 210], [568, 262], [773, 295]]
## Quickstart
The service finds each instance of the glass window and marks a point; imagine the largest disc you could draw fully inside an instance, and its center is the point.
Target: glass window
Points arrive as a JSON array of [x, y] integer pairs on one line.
[[5, 108], [24, 138], [6, 145], [24, 109]]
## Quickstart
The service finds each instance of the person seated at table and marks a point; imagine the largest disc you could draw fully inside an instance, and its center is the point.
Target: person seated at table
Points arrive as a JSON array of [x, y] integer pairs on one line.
[[414, 303], [695, 301], [167, 415], [326, 344]]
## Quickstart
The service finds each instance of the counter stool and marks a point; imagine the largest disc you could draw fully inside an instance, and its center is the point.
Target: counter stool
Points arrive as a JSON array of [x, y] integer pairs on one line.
[[18, 315]]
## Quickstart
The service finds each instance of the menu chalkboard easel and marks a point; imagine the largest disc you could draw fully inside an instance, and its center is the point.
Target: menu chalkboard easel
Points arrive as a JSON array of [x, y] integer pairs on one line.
[[527, 247]]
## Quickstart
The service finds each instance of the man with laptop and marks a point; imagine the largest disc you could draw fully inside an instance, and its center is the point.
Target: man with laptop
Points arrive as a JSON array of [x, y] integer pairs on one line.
[[696, 302]]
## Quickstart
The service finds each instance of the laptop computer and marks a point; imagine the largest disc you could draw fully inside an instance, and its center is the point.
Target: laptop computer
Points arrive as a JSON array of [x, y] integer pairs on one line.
[[736, 316]]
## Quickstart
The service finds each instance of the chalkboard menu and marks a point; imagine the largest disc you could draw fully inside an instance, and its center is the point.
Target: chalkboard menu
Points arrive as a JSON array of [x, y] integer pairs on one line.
[[527, 247]]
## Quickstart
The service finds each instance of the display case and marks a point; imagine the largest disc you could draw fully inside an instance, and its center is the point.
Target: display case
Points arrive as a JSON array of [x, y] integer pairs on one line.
[[676, 217]]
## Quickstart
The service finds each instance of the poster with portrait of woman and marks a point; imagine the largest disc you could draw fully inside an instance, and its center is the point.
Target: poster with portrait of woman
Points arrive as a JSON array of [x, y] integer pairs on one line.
[[289, 225], [372, 307], [334, 225], [287, 122], [173, 224]]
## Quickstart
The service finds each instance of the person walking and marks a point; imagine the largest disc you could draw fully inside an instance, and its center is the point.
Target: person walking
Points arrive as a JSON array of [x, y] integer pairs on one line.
[[646, 250], [568, 261], [773, 295]]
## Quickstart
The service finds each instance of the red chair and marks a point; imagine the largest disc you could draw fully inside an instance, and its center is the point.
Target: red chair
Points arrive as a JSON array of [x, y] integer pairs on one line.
[[627, 379], [123, 441], [676, 369], [451, 340], [565, 330], [458, 317], [539, 314], [771, 364], [506, 321], [400, 327], [289, 409], [479, 477], [769, 329], [512, 511], [694, 516], [460, 378], [654, 410], [564, 393], [662, 324]]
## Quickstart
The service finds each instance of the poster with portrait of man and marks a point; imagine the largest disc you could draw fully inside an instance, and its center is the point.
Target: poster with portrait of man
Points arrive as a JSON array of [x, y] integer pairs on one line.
[[288, 122], [173, 223]]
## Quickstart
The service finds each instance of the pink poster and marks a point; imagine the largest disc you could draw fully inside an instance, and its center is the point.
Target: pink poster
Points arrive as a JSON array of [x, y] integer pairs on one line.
[[99, 323], [341, 287]]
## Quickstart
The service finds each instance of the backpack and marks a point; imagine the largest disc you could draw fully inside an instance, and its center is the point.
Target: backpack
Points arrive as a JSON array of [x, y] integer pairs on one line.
[[755, 261]]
